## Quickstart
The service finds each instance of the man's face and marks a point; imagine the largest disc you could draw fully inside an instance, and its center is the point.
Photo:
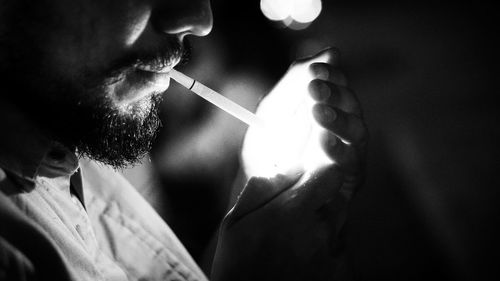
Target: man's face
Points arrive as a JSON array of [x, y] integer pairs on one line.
[[92, 71]]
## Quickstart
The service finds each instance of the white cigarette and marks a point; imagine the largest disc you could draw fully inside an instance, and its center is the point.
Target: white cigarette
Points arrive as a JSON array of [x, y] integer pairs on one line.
[[217, 99]]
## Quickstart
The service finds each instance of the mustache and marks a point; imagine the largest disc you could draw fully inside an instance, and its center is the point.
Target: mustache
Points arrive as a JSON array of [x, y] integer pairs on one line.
[[178, 53], [168, 53]]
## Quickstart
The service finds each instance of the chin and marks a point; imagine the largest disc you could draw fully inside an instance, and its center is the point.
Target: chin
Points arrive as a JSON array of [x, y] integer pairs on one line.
[[120, 135], [140, 107]]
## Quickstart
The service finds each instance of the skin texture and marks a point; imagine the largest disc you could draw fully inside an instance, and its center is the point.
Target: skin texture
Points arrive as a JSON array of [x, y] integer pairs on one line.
[[90, 68], [300, 217]]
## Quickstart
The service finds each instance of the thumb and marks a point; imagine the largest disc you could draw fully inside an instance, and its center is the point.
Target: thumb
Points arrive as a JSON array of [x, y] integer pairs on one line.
[[257, 193]]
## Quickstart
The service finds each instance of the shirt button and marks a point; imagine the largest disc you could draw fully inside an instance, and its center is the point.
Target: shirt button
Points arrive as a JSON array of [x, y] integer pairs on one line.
[[79, 230]]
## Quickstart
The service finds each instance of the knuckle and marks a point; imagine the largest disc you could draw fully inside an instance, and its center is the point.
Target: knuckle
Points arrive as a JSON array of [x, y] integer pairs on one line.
[[336, 93]]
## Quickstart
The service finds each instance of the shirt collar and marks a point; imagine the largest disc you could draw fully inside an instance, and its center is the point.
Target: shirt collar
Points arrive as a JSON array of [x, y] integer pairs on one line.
[[26, 152]]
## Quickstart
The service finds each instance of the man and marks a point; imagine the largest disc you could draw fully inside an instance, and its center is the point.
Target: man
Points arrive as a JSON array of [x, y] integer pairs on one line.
[[84, 79]]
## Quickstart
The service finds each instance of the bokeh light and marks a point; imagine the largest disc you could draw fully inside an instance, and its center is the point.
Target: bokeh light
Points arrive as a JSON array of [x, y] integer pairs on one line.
[[277, 10], [291, 13]]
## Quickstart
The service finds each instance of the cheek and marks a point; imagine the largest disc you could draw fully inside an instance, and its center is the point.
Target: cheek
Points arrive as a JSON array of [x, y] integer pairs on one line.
[[89, 37], [137, 23], [122, 22], [119, 22]]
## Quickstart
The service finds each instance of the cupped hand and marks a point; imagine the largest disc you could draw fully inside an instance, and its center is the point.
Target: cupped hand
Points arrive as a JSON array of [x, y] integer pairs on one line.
[[287, 227], [339, 112]]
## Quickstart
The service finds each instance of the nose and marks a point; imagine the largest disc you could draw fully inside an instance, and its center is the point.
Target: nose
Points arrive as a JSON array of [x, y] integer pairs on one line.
[[183, 17]]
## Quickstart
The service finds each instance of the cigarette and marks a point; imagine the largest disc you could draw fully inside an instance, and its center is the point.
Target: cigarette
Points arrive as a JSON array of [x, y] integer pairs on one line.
[[217, 99]]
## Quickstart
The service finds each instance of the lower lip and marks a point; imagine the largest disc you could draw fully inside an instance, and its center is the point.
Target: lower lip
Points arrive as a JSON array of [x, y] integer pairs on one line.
[[140, 84], [156, 79]]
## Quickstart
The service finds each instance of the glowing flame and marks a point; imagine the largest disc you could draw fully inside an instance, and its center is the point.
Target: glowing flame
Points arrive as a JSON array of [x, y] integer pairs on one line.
[[291, 139], [289, 11]]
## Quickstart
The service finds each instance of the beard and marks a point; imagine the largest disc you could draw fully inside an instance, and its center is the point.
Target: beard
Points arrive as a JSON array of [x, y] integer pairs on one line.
[[95, 127], [79, 112], [111, 137]]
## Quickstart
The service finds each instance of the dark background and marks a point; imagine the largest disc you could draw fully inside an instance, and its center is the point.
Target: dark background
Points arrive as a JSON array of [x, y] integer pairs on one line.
[[424, 75]]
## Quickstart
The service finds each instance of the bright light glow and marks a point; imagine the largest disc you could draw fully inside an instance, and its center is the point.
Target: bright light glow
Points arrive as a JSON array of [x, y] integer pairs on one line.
[[277, 9], [287, 11], [306, 10], [291, 139]]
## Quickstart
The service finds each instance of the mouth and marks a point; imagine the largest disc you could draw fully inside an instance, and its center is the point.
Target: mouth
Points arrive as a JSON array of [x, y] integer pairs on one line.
[[154, 68], [159, 66], [148, 76], [144, 80], [156, 72]]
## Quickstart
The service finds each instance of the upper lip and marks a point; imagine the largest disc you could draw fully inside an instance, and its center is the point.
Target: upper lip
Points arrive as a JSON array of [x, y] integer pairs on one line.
[[159, 65]]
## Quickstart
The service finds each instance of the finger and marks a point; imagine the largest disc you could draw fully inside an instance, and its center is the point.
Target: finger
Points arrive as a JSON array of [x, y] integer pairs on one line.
[[335, 96], [344, 155], [320, 91], [330, 55], [350, 160], [349, 127], [328, 72]]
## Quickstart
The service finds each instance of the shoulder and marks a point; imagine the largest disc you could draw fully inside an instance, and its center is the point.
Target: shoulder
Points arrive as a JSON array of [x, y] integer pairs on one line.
[[14, 265], [25, 248]]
